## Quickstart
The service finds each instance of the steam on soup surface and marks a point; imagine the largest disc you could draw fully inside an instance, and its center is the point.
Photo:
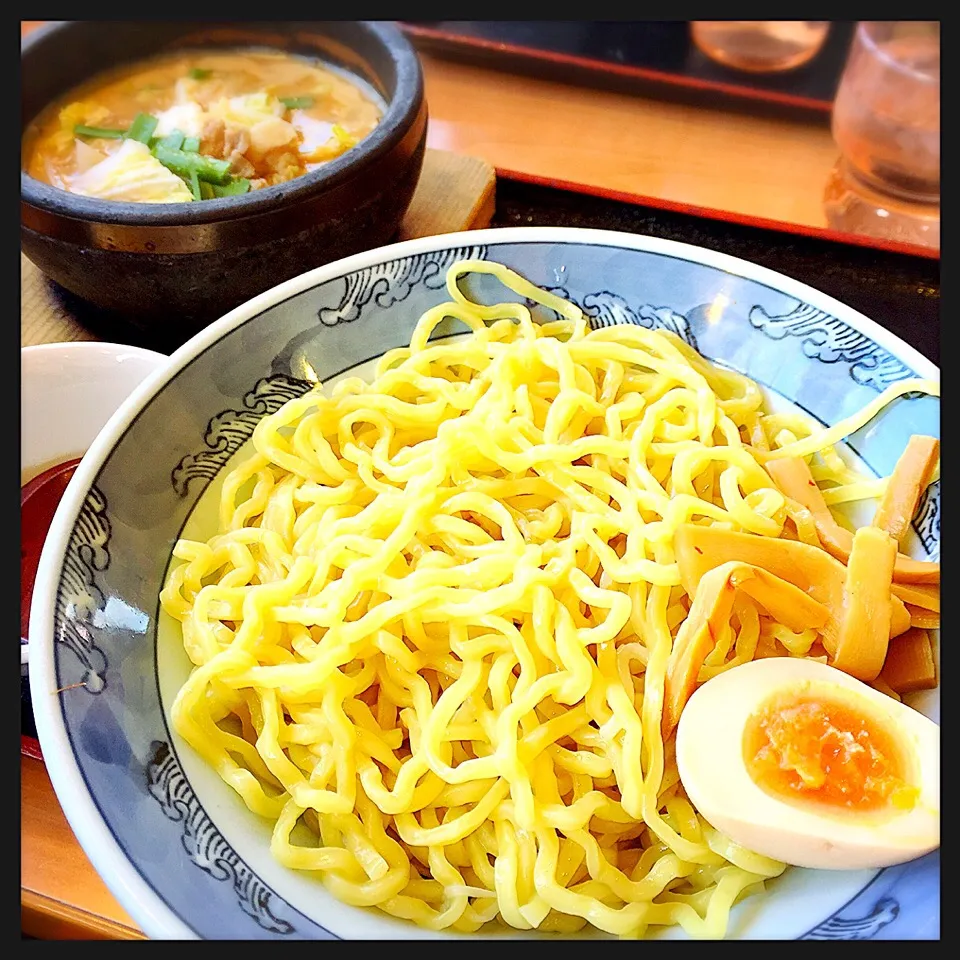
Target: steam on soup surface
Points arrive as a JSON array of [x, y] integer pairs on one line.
[[196, 125]]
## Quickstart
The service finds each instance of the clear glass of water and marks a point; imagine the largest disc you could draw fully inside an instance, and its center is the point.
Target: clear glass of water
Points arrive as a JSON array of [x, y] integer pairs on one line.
[[886, 123], [760, 46]]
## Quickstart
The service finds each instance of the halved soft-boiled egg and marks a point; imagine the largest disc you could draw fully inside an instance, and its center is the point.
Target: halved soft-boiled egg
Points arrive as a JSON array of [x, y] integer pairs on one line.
[[799, 761]]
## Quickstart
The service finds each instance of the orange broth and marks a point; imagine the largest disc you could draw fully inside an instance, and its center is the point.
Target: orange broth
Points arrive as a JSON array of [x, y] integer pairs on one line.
[[326, 113]]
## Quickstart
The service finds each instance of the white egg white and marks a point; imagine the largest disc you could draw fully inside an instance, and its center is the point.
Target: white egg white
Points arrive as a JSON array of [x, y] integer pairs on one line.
[[313, 133], [188, 118], [715, 776]]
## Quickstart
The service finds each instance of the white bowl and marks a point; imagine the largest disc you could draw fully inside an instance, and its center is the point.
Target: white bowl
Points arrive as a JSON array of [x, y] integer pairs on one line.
[[174, 843], [68, 391]]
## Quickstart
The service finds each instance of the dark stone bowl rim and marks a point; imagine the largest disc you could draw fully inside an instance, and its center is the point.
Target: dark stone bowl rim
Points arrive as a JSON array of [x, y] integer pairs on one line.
[[401, 114]]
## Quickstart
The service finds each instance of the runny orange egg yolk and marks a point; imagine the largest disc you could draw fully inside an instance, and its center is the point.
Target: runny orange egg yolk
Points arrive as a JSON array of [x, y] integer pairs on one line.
[[813, 749]]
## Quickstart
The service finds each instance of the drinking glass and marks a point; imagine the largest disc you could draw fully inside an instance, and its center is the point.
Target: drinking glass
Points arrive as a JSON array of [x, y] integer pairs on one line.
[[760, 46], [886, 123]]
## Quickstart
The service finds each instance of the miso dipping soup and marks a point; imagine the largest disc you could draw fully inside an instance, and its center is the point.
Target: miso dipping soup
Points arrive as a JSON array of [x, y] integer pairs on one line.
[[197, 125]]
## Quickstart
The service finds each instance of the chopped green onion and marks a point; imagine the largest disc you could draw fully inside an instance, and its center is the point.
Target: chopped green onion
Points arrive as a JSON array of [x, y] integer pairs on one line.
[[233, 189], [198, 73], [191, 145], [142, 128], [207, 190], [172, 140], [195, 185], [182, 163], [103, 133], [297, 103]]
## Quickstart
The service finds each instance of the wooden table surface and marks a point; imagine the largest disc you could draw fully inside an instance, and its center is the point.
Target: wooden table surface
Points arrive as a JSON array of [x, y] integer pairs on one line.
[[753, 165]]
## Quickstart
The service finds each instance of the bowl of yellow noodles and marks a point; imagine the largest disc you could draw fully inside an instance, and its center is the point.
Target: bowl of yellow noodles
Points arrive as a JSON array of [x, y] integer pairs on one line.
[[418, 596]]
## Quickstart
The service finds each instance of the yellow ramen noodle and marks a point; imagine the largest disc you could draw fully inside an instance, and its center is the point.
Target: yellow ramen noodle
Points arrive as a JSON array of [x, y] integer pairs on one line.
[[431, 634]]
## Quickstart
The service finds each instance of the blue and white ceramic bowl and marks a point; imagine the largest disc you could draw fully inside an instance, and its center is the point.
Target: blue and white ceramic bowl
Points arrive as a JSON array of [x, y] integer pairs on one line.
[[171, 840]]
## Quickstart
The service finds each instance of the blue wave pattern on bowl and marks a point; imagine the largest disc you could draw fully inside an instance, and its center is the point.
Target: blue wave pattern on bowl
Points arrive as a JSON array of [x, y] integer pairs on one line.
[[106, 614]]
